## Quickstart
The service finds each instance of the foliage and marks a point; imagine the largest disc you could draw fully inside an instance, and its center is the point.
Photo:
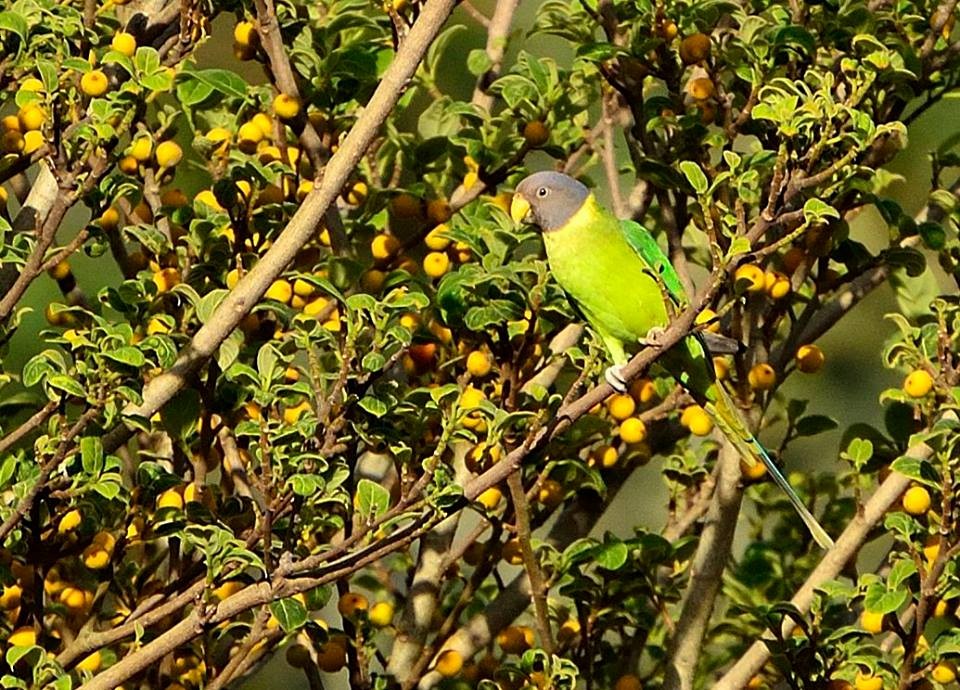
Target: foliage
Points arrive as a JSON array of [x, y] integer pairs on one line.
[[394, 462]]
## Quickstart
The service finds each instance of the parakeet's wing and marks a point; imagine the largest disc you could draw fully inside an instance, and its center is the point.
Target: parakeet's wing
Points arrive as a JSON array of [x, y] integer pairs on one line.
[[656, 259]]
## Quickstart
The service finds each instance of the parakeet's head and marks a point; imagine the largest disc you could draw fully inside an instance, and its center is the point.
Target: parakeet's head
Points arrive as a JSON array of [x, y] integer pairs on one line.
[[547, 199]]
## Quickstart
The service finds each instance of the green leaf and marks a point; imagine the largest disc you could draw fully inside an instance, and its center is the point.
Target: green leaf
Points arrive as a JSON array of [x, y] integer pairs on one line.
[[933, 235], [816, 210], [223, 80], [900, 572], [290, 613], [11, 21], [67, 385], [695, 176], [611, 555], [91, 455], [879, 600], [814, 424], [920, 471], [130, 356], [374, 406], [478, 62], [372, 500]]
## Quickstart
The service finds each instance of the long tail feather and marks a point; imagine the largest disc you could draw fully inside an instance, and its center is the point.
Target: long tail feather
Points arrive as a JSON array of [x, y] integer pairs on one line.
[[730, 422]]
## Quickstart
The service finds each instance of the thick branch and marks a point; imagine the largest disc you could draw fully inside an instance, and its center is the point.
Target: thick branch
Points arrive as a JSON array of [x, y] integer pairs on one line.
[[706, 576]]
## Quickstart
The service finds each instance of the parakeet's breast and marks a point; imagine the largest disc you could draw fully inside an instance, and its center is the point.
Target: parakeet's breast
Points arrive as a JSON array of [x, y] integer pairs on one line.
[[591, 259]]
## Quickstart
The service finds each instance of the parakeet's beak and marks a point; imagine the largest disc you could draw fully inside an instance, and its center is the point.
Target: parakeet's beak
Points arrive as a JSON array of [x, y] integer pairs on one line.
[[519, 208]]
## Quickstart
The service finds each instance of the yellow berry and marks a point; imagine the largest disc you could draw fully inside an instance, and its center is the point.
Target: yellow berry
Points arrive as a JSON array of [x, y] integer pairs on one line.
[[221, 138], [128, 165], [479, 364], [90, 663], [762, 377], [918, 383], [233, 277], [697, 420], [141, 149], [868, 681], [61, 270], [264, 123], [643, 390], [170, 498], [292, 415], [11, 142], [70, 520], [245, 34], [31, 117], [124, 43], [168, 154], [633, 430], [280, 290], [872, 622], [96, 557], [94, 83], [22, 637], [916, 500], [384, 246], [512, 552], [248, 136], [357, 193], [945, 672], [776, 284], [381, 614], [490, 498], [471, 398], [157, 326], [32, 84], [604, 455], [286, 107], [810, 359], [436, 239], [621, 406], [449, 663], [165, 279], [752, 277], [110, 219], [436, 264], [708, 316], [569, 630]]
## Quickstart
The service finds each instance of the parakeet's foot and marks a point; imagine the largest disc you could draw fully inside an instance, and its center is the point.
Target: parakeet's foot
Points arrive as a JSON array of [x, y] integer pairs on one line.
[[614, 376], [653, 337]]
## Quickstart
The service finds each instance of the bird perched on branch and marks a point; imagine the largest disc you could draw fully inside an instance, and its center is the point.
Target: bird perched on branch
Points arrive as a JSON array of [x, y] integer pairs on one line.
[[616, 274]]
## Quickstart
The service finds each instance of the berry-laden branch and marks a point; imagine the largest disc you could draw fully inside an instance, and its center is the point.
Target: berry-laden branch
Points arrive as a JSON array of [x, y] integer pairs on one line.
[[301, 227], [845, 548]]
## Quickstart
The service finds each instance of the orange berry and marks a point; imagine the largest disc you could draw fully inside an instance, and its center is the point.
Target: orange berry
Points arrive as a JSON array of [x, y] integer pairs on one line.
[[762, 377], [810, 359]]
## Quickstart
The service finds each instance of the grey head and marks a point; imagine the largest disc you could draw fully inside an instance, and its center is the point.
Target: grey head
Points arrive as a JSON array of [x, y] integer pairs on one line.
[[547, 199]]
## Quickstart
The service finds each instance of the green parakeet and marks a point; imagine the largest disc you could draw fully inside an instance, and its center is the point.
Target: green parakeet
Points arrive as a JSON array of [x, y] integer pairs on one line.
[[618, 276]]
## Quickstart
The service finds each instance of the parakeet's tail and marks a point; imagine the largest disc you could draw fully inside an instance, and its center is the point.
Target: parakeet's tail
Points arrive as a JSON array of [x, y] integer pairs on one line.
[[731, 423]]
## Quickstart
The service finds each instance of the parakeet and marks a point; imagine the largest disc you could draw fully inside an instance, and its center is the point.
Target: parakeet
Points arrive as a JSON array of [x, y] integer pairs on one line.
[[622, 282]]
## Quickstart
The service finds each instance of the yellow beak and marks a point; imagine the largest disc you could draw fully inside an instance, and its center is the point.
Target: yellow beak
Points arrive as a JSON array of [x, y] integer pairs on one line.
[[519, 208]]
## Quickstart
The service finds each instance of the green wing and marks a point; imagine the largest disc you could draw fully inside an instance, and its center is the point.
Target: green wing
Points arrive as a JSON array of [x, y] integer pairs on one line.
[[646, 247]]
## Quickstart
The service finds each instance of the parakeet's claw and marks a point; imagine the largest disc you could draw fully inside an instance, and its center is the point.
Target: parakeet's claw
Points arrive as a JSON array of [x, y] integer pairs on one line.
[[614, 376], [653, 337]]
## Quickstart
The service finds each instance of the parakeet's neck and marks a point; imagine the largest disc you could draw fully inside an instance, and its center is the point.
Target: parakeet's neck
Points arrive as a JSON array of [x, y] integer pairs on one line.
[[590, 223]]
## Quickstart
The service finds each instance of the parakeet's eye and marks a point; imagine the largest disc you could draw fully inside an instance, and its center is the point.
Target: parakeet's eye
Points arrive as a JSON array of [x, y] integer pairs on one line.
[[542, 192]]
